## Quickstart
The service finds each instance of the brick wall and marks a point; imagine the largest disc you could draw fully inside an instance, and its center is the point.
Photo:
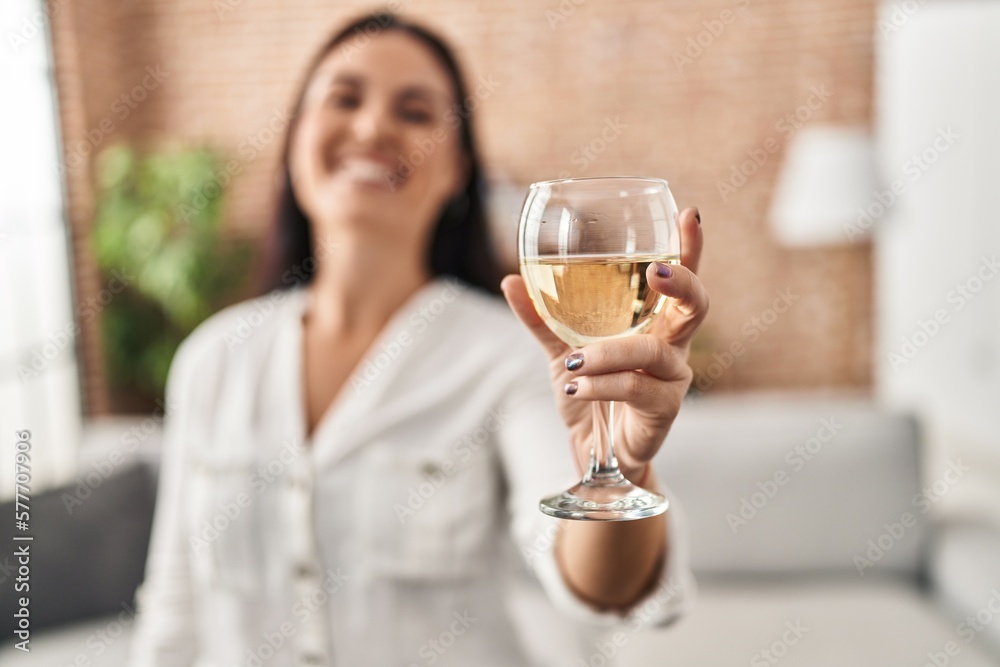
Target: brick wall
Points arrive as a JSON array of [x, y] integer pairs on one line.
[[684, 112]]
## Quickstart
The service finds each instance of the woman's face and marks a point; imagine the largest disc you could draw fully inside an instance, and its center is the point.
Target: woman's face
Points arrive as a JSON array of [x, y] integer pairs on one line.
[[376, 148]]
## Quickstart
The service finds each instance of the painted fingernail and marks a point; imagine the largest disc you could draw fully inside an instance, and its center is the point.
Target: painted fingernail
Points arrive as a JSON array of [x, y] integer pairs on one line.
[[570, 388], [697, 216], [574, 361], [663, 270]]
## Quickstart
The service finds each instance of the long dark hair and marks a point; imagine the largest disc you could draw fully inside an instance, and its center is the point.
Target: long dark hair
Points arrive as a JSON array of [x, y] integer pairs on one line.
[[460, 245]]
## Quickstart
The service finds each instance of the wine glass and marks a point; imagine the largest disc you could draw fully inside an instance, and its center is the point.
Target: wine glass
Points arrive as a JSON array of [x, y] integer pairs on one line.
[[583, 247]]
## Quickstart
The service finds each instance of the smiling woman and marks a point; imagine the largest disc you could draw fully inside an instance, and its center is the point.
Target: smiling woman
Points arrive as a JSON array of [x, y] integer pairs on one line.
[[399, 397], [372, 65]]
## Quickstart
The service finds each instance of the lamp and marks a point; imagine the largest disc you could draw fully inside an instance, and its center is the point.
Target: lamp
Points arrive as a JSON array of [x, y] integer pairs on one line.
[[826, 183]]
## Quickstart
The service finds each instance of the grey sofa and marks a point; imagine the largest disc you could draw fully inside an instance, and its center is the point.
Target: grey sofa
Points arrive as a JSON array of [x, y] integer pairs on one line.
[[840, 562]]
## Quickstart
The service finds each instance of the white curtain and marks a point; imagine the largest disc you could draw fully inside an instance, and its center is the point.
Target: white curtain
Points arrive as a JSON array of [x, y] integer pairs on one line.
[[39, 383]]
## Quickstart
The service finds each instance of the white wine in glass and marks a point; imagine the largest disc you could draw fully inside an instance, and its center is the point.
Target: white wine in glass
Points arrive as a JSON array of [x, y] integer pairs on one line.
[[584, 246], [587, 298]]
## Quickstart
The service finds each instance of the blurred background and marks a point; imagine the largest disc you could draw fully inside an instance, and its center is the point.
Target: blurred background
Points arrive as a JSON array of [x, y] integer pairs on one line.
[[840, 454]]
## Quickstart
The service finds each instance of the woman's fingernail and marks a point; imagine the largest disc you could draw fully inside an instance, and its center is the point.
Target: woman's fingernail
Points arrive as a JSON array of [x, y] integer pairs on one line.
[[570, 388], [663, 270], [574, 361], [697, 216]]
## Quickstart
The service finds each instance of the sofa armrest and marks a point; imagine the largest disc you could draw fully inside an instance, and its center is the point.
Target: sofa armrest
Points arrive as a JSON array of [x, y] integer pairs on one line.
[[965, 570]]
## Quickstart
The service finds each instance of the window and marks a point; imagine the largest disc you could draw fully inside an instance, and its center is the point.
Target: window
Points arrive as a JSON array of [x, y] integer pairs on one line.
[[39, 382]]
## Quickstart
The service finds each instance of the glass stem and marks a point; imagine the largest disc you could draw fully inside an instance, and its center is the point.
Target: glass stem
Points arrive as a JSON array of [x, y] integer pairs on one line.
[[603, 469]]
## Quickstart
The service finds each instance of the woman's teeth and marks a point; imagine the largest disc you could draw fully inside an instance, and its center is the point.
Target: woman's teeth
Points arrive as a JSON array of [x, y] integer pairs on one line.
[[368, 171]]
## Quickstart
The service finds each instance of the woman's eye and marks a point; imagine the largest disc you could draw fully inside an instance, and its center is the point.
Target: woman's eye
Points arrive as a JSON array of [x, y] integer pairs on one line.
[[416, 115], [345, 101]]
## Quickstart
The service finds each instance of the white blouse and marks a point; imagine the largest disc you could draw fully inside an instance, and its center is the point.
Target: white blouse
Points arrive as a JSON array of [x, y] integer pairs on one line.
[[405, 531]]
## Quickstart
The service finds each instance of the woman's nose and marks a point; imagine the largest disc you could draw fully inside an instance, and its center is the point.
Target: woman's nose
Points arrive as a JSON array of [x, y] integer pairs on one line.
[[373, 124]]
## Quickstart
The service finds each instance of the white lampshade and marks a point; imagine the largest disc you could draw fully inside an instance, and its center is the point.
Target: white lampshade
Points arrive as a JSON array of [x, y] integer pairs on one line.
[[826, 181]]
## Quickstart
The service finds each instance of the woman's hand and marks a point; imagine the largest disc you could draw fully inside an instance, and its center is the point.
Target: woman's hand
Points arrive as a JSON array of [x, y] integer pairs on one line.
[[647, 374]]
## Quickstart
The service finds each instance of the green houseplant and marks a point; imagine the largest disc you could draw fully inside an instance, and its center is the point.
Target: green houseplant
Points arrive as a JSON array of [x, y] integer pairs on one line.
[[157, 228]]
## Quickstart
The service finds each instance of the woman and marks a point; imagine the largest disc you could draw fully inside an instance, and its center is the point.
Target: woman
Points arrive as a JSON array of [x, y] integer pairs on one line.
[[338, 483]]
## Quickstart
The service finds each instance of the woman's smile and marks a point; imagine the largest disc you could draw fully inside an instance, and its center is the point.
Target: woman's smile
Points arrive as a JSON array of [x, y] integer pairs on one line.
[[368, 171]]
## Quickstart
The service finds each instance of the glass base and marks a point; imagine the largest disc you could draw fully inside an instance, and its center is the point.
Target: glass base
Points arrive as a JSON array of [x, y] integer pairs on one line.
[[617, 501]]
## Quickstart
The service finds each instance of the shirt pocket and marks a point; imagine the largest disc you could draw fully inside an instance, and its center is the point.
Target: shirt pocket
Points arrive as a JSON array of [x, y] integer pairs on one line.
[[225, 526], [428, 516]]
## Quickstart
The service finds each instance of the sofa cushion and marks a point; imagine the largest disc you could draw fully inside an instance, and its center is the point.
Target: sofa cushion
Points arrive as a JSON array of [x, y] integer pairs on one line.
[[779, 484]]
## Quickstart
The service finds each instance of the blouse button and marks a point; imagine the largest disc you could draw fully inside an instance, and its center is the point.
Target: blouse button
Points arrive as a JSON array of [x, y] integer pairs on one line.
[[304, 571], [312, 659]]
